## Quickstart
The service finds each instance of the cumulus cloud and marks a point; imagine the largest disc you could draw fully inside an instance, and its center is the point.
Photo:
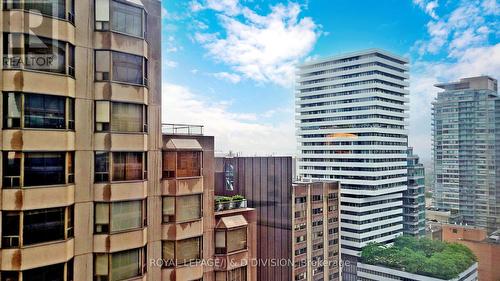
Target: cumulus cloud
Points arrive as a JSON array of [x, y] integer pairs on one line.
[[465, 27], [239, 132], [428, 6], [231, 77], [264, 48]]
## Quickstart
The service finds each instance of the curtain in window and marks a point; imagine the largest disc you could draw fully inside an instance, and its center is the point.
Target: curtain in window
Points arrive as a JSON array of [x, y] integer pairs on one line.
[[45, 54], [45, 168], [237, 274], [188, 164], [101, 264], [168, 250], [12, 110], [126, 215], [236, 239], [43, 225], [126, 19], [168, 209], [44, 111], [102, 213], [53, 8], [127, 166], [220, 242], [188, 207], [188, 250], [125, 264], [12, 47], [127, 68], [126, 117], [168, 164]]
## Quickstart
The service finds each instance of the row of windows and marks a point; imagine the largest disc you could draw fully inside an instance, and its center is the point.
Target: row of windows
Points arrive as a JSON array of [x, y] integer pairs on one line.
[[23, 51], [117, 16], [30, 169]]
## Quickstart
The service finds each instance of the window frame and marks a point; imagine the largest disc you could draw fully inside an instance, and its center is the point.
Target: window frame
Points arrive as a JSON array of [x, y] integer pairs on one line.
[[174, 262], [69, 10], [109, 25], [111, 162], [107, 128], [168, 174], [107, 227], [142, 266], [68, 170], [174, 216], [19, 242], [224, 250], [69, 111], [109, 77], [69, 55]]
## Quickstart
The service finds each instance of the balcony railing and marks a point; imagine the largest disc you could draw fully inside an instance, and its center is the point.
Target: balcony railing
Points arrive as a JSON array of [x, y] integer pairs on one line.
[[182, 129]]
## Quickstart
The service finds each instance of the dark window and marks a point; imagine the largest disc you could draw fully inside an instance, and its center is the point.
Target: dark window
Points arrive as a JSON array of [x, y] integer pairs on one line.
[[12, 110], [44, 168], [127, 19], [101, 167], [43, 225], [9, 275], [45, 54], [12, 169], [188, 164], [44, 111], [53, 8], [128, 68], [46, 273], [10, 229]]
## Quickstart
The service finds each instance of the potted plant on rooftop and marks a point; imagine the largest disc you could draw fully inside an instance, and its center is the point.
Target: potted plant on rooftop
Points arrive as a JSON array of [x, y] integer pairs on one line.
[[238, 201], [226, 202], [219, 206]]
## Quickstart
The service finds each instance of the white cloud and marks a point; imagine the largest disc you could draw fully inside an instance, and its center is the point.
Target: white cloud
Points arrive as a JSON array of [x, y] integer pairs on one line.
[[231, 77], [171, 64], [264, 48], [239, 132], [229, 7], [428, 6], [463, 28]]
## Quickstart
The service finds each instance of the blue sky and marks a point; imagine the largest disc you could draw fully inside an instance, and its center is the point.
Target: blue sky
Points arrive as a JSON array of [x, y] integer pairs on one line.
[[229, 64]]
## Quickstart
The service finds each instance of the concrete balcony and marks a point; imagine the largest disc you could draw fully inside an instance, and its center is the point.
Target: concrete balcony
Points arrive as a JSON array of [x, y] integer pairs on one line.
[[121, 142], [19, 21], [115, 242], [108, 40], [37, 255], [179, 231], [191, 272], [182, 186], [38, 140], [38, 197], [18, 80], [106, 90], [120, 191]]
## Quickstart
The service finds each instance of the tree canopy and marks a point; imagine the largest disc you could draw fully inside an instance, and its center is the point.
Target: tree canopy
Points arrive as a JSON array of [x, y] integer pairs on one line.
[[421, 256]]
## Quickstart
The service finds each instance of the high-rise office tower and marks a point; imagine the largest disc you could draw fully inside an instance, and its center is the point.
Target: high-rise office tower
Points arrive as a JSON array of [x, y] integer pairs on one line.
[[465, 150], [81, 139], [414, 197], [351, 127]]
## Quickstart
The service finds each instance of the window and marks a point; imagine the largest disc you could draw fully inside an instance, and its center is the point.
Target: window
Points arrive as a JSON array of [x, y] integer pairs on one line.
[[120, 17], [182, 251], [22, 110], [182, 208], [120, 67], [37, 53], [237, 274], [46, 273], [120, 265], [231, 240], [38, 226], [39, 168], [124, 166], [120, 117], [119, 216], [182, 164], [51, 8], [229, 177]]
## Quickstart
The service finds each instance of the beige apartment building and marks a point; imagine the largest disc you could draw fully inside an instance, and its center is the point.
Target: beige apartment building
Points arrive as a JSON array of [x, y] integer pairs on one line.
[[88, 191]]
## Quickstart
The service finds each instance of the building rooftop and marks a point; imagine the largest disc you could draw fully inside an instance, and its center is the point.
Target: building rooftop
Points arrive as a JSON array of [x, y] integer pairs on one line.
[[471, 83], [182, 129], [354, 54], [421, 256]]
